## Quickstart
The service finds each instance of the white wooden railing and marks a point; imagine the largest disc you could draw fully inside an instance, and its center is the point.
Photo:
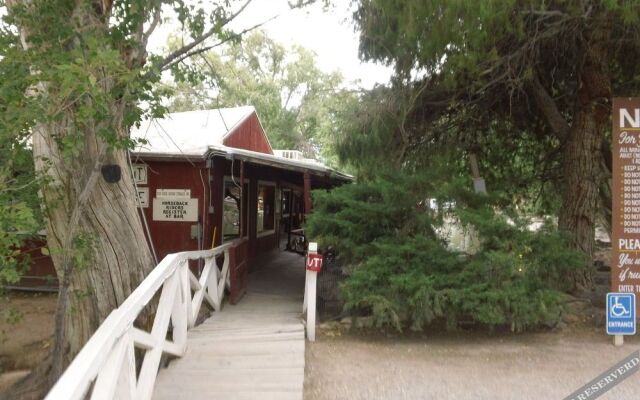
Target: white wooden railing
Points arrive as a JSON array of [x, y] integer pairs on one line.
[[105, 368], [309, 300]]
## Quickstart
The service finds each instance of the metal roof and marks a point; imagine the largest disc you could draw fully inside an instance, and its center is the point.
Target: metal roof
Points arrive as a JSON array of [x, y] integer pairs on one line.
[[200, 134], [188, 133]]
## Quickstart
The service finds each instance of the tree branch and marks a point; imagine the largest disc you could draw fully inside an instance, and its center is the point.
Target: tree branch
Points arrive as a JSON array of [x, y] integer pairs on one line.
[[184, 56], [187, 48], [152, 27], [57, 362], [549, 109]]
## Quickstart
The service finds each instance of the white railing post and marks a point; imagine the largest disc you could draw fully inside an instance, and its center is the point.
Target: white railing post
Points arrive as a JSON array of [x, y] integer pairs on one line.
[[107, 382], [179, 318], [151, 362], [185, 282], [205, 279], [310, 294]]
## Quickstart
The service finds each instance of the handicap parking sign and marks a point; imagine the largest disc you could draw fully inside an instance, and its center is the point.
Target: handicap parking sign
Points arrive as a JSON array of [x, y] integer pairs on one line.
[[621, 313]]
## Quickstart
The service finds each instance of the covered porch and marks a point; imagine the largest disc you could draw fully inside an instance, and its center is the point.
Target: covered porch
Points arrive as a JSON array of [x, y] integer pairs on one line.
[[256, 202]]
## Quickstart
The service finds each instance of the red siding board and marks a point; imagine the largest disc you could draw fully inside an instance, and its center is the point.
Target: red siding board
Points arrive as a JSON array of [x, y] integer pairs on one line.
[[41, 273], [238, 274], [249, 136], [171, 236]]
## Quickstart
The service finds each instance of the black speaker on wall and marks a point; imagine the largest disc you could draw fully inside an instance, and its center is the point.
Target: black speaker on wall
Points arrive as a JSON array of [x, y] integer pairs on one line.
[[111, 173]]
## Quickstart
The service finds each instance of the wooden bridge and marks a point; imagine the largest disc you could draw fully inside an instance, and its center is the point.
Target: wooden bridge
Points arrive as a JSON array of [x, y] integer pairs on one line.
[[252, 350]]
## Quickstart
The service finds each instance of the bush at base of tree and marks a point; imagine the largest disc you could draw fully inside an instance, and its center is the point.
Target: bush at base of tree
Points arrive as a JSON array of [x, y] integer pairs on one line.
[[405, 273]]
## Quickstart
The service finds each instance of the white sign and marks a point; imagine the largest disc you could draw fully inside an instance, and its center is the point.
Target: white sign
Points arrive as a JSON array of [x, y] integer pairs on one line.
[[143, 197], [139, 172], [175, 209], [173, 193]]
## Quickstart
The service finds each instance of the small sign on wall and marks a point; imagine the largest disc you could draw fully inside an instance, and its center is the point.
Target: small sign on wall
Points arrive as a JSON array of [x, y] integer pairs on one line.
[[139, 172], [143, 197], [175, 209], [173, 193]]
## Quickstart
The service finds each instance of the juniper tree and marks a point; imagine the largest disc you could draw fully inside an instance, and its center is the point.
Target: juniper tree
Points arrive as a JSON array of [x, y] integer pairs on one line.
[[505, 68]]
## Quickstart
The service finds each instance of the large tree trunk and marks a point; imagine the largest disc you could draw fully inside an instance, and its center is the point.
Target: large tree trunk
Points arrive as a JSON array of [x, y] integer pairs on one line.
[[606, 195], [581, 152], [94, 232], [108, 235]]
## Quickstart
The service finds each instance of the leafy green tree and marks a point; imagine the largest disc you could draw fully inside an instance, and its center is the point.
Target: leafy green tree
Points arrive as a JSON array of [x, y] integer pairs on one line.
[[19, 215], [73, 74], [296, 101], [536, 74]]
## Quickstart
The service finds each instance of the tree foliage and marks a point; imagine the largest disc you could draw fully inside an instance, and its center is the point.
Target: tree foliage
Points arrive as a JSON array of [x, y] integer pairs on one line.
[[392, 230], [296, 101], [75, 76], [476, 75], [19, 217], [524, 85]]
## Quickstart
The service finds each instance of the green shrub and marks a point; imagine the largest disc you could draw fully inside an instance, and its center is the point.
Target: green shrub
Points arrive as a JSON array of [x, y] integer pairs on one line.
[[405, 273]]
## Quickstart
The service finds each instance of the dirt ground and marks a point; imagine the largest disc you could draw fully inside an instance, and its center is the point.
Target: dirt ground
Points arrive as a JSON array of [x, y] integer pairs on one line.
[[463, 366], [24, 344]]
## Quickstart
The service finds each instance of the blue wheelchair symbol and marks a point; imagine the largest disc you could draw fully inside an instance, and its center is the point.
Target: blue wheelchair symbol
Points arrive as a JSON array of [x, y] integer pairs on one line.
[[620, 307]]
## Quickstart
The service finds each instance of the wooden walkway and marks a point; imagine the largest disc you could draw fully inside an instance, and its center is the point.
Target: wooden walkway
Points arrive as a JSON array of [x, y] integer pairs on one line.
[[253, 350]]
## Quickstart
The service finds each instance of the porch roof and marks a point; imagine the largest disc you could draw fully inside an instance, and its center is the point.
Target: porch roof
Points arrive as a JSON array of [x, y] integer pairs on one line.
[[315, 168]]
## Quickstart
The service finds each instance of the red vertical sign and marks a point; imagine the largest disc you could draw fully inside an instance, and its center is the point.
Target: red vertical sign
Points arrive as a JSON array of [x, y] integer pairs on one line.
[[625, 212]]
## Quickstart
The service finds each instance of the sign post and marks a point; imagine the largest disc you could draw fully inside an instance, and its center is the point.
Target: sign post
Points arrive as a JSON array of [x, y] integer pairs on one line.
[[313, 266], [625, 210]]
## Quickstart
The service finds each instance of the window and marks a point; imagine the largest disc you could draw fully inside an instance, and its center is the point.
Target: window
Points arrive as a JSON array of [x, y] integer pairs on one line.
[[286, 199], [266, 208], [231, 210]]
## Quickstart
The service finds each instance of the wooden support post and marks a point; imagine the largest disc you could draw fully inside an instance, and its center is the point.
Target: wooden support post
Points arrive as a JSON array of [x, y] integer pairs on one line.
[[479, 185], [618, 340], [290, 222], [475, 171], [311, 305], [307, 194], [241, 211]]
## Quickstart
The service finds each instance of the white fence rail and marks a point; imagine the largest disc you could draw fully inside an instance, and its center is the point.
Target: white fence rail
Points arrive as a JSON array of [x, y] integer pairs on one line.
[[310, 293], [105, 368]]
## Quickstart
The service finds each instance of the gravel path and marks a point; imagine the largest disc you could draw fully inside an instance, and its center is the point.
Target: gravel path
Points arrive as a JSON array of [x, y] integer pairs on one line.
[[463, 366]]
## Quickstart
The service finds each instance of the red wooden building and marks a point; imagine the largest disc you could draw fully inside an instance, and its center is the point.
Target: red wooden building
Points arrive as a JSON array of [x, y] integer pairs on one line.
[[209, 177]]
